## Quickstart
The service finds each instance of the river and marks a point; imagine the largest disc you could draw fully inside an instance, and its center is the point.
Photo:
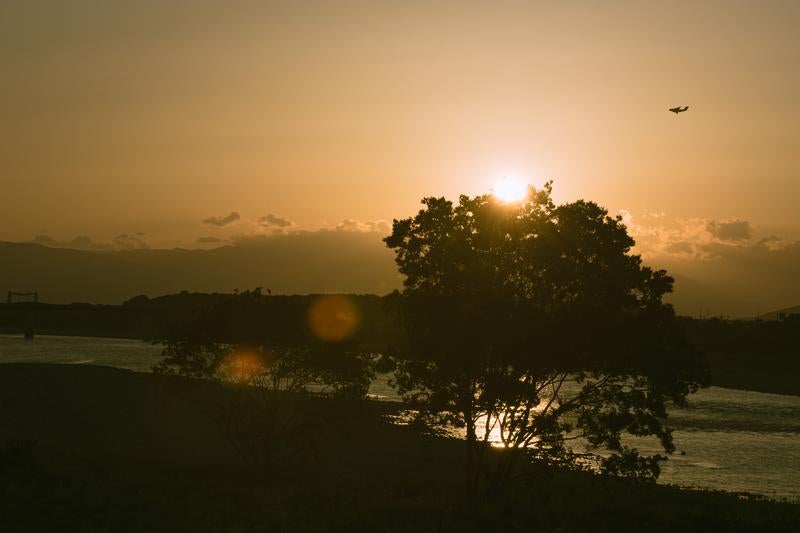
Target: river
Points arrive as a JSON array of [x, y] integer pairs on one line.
[[733, 440]]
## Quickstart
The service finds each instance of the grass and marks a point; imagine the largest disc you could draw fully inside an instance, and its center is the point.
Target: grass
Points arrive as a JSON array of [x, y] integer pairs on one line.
[[98, 449]]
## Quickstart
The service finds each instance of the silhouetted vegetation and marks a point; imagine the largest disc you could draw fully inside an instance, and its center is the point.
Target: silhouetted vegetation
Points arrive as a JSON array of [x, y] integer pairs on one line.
[[532, 324], [266, 341]]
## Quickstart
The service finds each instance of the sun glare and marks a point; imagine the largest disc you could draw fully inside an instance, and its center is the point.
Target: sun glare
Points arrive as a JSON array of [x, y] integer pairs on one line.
[[510, 190]]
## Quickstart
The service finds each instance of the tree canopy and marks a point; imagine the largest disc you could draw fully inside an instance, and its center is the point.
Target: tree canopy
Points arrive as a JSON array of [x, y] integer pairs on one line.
[[533, 326]]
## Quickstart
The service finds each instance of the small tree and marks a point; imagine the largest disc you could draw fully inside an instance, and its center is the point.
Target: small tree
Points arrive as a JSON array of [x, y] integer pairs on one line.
[[265, 341], [532, 325]]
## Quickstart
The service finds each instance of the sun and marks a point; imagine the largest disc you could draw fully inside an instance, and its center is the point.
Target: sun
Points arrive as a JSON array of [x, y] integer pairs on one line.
[[510, 190]]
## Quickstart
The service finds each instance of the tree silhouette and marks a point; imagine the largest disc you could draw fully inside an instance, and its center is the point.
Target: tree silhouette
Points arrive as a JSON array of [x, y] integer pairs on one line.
[[532, 325], [264, 340]]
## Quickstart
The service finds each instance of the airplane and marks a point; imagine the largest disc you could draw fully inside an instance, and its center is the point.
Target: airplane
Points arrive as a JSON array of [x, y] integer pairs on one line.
[[679, 109]]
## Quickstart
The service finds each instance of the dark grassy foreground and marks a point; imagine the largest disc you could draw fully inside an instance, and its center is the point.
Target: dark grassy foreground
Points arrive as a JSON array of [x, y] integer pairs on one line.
[[97, 449]]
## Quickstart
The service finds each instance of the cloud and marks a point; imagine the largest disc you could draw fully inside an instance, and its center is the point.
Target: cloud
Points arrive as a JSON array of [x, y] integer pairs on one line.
[[270, 220], [222, 221], [378, 226], [733, 230], [269, 226], [129, 242], [248, 228], [720, 266], [699, 238], [775, 244], [682, 247]]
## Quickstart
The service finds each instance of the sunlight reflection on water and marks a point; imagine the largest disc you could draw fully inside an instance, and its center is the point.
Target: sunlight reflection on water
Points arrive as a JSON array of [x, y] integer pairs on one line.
[[740, 441]]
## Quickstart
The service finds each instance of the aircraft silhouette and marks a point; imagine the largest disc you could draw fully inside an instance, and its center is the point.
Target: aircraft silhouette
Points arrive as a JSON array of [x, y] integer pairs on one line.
[[679, 109]]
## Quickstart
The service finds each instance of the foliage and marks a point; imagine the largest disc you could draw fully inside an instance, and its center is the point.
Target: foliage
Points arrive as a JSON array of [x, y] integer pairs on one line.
[[260, 340], [532, 325]]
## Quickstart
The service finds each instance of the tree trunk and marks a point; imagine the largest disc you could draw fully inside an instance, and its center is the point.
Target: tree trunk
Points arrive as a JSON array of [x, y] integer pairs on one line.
[[504, 470], [471, 444], [470, 450]]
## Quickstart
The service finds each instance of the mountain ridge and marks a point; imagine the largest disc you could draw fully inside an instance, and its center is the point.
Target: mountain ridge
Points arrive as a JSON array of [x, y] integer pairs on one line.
[[325, 262]]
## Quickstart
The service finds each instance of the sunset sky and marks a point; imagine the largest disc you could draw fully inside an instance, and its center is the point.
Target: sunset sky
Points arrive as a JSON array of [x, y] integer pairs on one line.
[[147, 118]]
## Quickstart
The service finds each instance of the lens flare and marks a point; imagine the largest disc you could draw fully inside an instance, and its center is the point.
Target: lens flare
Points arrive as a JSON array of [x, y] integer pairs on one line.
[[333, 318], [244, 365]]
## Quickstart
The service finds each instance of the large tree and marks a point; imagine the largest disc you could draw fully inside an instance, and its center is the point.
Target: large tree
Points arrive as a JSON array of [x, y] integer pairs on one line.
[[534, 327]]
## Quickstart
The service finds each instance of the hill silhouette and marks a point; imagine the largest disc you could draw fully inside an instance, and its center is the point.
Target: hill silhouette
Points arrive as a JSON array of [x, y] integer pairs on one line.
[[739, 286], [313, 262]]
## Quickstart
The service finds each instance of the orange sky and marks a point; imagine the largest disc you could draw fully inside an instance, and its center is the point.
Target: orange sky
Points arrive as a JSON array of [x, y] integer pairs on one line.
[[126, 117]]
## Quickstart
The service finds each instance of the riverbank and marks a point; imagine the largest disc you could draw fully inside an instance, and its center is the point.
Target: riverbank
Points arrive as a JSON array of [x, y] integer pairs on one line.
[[91, 449]]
